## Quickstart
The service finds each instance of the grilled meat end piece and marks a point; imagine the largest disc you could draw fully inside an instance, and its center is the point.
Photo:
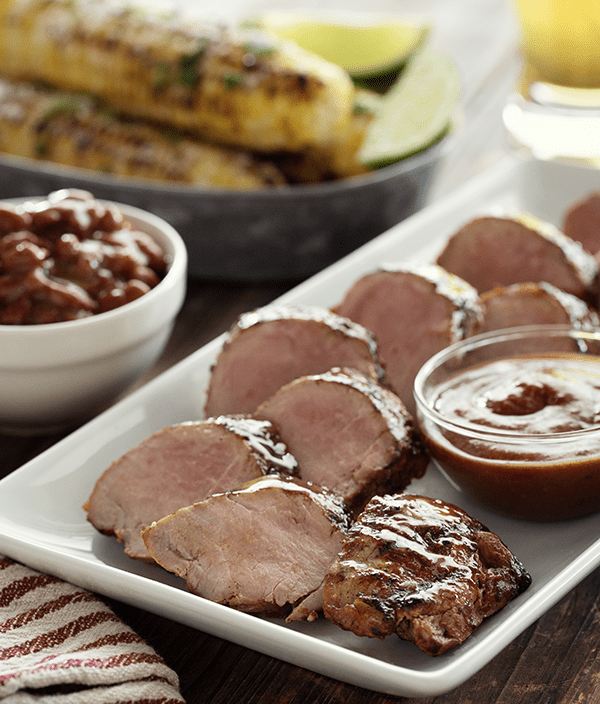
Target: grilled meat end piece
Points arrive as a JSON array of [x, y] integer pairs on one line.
[[420, 568]]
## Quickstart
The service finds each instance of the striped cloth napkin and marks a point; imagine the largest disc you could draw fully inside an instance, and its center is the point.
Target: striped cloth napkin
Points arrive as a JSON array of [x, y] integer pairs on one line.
[[61, 645]]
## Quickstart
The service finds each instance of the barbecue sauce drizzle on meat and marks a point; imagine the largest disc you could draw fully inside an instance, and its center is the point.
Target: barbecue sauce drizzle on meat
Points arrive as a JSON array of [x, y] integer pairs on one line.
[[396, 423], [450, 286], [331, 503], [316, 313], [420, 568], [258, 434]]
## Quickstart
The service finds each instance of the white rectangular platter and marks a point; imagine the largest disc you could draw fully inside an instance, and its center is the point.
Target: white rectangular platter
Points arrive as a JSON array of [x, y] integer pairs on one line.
[[43, 525]]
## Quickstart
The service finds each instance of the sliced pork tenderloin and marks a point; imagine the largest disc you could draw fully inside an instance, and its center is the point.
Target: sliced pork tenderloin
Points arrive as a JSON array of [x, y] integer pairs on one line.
[[582, 223], [414, 311], [423, 569], [534, 304], [348, 433], [264, 548], [497, 251], [178, 466], [271, 346]]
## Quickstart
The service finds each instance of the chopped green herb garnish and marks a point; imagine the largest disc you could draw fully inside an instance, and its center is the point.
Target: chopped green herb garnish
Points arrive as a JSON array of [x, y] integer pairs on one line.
[[161, 75], [105, 112], [67, 105], [232, 80], [41, 149], [172, 136], [188, 66], [361, 110], [259, 49], [62, 106], [134, 11]]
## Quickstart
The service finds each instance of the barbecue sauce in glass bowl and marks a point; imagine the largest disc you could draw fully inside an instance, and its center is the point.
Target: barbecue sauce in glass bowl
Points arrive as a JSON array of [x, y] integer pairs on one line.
[[513, 419]]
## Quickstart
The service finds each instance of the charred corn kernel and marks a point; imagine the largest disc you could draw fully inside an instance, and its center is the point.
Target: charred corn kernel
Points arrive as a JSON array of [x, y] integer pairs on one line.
[[73, 130], [238, 88]]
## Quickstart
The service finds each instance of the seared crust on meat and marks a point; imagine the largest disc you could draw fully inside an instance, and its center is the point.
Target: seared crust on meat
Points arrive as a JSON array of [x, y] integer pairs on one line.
[[178, 466], [499, 251], [271, 346], [239, 88], [348, 433], [420, 568], [414, 311], [263, 548]]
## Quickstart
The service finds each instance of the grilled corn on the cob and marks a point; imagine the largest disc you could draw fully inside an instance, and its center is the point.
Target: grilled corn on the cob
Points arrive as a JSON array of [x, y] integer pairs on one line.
[[225, 86], [71, 129], [337, 159]]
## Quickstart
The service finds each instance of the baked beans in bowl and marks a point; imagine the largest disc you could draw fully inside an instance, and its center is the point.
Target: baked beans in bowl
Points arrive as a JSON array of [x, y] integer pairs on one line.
[[89, 292]]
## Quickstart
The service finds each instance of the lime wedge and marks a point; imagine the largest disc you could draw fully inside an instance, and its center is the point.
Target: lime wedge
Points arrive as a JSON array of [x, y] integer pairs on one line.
[[416, 111], [366, 46]]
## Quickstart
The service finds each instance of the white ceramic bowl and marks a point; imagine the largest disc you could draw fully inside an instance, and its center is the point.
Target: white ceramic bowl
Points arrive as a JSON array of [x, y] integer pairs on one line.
[[57, 375]]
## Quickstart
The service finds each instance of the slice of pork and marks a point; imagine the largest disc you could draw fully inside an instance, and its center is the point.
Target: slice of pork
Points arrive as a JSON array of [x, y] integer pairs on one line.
[[347, 433], [178, 466], [493, 251], [534, 304], [414, 311], [582, 223], [423, 569], [271, 346], [263, 548]]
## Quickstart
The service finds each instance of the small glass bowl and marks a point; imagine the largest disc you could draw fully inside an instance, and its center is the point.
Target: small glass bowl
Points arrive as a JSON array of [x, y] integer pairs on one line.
[[521, 441]]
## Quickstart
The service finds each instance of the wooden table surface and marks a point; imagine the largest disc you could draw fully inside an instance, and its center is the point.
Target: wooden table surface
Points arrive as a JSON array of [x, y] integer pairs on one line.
[[552, 661]]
